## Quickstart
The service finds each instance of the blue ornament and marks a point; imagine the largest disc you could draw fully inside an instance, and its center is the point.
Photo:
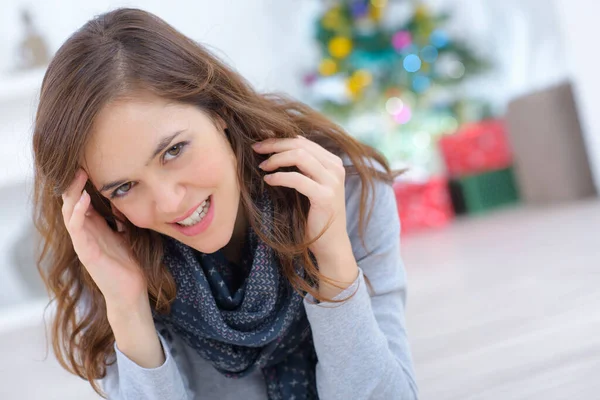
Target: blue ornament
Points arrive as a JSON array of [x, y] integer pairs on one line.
[[412, 63], [429, 54], [439, 38], [421, 83], [359, 9]]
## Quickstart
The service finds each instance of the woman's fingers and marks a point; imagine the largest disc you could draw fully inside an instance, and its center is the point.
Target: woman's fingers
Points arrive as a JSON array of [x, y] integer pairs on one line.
[[328, 160], [72, 195], [75, 225], [299, 157], [302, 183], [326, 157]]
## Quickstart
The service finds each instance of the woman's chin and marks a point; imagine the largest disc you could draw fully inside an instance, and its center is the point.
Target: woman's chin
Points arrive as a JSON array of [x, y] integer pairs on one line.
[[208, 245]]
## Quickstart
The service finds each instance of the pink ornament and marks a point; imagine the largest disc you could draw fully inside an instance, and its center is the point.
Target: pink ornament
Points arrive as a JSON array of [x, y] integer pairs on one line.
[[404, 115], [401, 40], [309, 79]]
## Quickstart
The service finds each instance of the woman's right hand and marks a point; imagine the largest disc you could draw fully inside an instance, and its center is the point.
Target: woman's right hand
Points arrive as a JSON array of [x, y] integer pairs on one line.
[[103, 252]]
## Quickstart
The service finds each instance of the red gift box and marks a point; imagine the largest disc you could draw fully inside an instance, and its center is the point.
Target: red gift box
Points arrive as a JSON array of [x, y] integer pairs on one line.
[[423, 205], [476, 148]]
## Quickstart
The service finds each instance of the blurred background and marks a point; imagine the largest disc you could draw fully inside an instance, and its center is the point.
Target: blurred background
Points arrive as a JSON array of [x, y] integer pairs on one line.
[[489, 104]]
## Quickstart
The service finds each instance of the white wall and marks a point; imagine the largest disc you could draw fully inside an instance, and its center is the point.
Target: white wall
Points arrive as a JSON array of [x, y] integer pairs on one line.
[[240, 30], [519, 37], [579, 25]]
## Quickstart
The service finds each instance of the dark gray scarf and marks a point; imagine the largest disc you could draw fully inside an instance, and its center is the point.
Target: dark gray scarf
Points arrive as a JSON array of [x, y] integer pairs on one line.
[[244, 317]]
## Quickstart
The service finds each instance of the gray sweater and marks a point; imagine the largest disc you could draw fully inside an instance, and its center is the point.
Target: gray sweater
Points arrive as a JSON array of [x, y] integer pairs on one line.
[[361, 345]]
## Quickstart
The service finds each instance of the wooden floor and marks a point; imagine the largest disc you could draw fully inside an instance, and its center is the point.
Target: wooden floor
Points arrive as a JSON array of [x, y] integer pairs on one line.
[[507, 306], [504, 306]]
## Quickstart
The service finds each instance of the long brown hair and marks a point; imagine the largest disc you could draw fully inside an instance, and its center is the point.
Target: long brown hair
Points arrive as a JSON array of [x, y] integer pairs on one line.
[[122, 53]]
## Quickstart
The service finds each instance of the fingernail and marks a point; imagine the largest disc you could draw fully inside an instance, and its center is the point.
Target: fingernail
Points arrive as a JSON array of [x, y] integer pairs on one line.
[[257, 145], [82, 195], [262, 164]]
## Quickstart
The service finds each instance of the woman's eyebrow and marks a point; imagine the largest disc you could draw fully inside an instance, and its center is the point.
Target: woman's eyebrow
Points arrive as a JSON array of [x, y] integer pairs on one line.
[[163, 144], [112, 185], [159, 148]]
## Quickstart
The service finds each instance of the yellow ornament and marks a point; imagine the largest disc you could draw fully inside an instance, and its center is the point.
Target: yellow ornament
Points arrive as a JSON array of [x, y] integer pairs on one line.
[[376, 9], [327, 67], [421, 12], [426, 28], [357, 82], [332, 19], [340, 46], [379, 3], [354, 87], [364, 78]]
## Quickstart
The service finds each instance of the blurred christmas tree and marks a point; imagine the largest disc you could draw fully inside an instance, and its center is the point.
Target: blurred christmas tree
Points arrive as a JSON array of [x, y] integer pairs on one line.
[[388, 73]]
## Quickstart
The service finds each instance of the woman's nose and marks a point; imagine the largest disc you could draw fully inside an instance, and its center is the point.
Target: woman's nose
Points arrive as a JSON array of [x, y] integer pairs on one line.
[[169, 200]]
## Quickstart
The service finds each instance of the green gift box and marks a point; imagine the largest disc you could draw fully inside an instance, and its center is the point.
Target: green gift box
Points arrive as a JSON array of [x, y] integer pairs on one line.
[[483, 192]]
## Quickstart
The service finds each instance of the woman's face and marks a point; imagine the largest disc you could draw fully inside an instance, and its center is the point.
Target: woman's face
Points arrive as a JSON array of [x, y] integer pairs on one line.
[[166, 167]]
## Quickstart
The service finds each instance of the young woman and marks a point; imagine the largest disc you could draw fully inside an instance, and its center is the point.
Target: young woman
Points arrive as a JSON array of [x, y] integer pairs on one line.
[[205, 241]]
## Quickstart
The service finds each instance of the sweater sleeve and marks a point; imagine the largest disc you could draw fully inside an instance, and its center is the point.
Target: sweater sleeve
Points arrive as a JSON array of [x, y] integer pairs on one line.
[[125, 380], [361, 344]]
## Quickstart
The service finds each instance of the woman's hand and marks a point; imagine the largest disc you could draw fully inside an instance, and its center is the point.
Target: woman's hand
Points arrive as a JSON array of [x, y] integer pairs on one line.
[[322, 180], [103, 252]]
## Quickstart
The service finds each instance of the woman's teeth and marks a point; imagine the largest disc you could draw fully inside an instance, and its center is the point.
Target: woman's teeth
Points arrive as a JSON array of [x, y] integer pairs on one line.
[[197, 215]]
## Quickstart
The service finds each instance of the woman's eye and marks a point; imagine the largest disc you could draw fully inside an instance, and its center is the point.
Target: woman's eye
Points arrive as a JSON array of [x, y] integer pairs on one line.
[[174, 151], [122, 190]]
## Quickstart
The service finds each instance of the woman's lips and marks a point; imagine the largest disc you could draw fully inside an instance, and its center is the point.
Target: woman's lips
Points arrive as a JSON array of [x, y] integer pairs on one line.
[[187, 214], [200, 226]]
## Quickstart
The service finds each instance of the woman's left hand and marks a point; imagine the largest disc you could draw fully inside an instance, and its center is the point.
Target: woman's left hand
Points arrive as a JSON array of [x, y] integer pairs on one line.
[[322, 180]]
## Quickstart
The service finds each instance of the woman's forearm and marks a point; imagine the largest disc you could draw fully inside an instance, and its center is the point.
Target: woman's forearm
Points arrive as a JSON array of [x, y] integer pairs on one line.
[[135, 334], [340, 266]]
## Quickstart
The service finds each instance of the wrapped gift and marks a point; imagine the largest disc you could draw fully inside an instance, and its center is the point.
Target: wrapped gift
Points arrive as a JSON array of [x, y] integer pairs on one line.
[[476, 148], [423, 205], [552, 164], [483, 192]]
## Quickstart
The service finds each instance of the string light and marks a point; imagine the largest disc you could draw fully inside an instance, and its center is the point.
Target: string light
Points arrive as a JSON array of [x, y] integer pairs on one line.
[[457, 70], [394, 105]]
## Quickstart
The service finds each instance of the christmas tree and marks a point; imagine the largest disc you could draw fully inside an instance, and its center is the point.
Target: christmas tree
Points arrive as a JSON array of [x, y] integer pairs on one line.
[[387, 74]]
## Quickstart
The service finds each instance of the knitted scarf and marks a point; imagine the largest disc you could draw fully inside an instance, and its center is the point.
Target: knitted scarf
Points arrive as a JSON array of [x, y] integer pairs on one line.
[[244, 317]]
